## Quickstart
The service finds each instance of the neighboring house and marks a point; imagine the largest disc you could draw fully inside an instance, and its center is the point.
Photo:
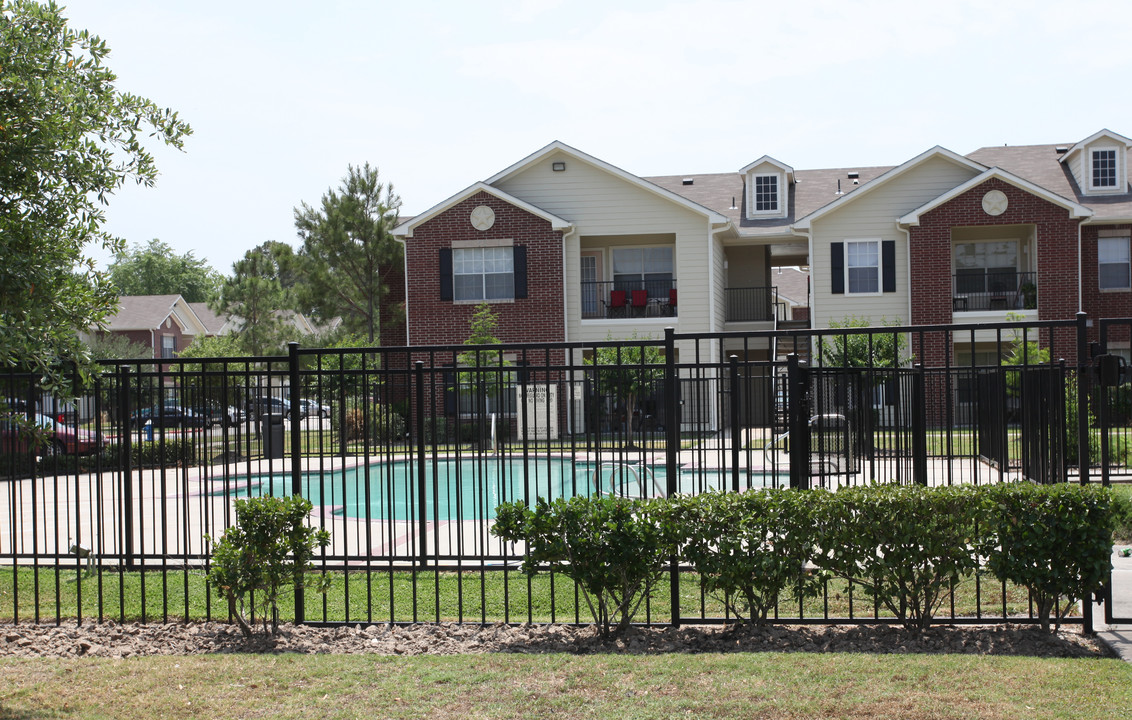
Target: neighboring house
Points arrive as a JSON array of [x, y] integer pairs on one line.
[[569, 247], [165, 324]]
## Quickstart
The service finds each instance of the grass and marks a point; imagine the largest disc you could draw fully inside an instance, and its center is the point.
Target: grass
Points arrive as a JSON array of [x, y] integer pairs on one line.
[[423, 596], [627, 687]]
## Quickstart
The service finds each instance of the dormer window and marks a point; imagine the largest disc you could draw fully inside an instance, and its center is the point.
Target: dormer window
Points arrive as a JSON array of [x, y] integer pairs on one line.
[[767, 188], [1103, 169], [766, 193], [1099, 163]]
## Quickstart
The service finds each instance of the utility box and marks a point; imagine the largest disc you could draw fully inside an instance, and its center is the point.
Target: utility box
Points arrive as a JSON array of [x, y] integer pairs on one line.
[[271, 434]]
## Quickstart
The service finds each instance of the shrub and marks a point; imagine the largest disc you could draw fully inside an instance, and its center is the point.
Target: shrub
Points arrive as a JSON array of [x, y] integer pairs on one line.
[[615, 548], [170, 453], [269, 547], [749, 547], [1055, 540], [904, 545]]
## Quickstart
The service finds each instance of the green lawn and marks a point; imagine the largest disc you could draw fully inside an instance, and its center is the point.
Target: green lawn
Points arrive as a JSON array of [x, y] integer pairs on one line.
[[622, 686], [360, 596]]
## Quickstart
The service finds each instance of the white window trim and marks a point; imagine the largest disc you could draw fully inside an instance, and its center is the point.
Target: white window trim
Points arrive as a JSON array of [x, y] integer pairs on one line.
[[752, 201], [477, 246], [1128, 244], [1118, 155], [879, 266]]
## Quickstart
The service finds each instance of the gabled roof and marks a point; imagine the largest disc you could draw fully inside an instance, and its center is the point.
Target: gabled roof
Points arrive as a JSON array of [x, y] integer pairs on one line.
[[405, 229], [768, 159], [213, 323], [149, 312], [1094, 137], [1040, 165], [561, 147], [935, 152], [1076, 210]]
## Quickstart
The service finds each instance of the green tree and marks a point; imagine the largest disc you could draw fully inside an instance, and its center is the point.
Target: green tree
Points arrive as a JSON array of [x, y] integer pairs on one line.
[[628, 372], [258, 292], [864, 350], [155, 269], [348, 253], [68, 139], [110, 346]]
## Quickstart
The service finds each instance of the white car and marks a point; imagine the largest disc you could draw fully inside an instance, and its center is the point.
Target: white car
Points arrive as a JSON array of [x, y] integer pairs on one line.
[[308, 408]]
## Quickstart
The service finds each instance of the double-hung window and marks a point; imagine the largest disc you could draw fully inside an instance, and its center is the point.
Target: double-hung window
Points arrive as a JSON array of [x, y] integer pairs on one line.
[[863, 266], [1115, 263], [1103, 173], [168, 346], [483, 273], [648, 268], [766, 193]]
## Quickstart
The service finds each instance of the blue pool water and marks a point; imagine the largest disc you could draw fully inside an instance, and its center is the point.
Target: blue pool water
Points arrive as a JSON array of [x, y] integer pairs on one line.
[[470, 489]]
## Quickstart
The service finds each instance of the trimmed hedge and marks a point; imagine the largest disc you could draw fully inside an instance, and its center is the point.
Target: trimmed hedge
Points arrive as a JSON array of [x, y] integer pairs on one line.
[[905, 546]]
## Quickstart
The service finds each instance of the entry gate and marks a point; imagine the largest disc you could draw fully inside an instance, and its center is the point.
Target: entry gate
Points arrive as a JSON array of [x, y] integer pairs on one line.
[[1112, 391]]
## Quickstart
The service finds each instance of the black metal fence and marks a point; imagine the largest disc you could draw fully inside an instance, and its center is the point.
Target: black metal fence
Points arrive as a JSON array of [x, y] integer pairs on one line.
[[406, 452]]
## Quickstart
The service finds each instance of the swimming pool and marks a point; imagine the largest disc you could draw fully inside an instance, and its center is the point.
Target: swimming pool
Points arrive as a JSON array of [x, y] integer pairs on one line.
[[471, 488]]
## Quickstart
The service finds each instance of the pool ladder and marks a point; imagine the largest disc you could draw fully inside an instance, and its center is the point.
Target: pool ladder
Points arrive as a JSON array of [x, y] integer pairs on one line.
[[635, 469]]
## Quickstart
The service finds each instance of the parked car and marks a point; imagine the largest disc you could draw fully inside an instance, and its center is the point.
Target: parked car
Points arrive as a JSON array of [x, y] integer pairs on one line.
[[233, 416], [268, 405], [57, 439], [308, 407], [168, 416]]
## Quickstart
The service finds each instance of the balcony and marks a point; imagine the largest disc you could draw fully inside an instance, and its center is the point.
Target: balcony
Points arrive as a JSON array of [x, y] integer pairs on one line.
[[974, 291], [752, 304], [628, 299]]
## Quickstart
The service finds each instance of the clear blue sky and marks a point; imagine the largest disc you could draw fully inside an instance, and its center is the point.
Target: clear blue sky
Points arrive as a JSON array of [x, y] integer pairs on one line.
[[284, 95]]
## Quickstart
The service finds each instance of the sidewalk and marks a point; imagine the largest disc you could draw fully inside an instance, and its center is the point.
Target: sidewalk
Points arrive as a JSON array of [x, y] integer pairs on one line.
[[1118, 637]]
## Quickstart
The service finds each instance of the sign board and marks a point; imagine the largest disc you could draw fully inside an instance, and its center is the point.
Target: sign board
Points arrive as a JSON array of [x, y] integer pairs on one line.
[[538, 411]]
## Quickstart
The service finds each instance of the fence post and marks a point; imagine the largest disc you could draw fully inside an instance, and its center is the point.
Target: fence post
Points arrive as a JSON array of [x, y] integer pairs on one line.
[[127, 450], [919, 428], [798, 423], [736, 432], [422, 529], [1083, 458], [672, 455], [296, 458]]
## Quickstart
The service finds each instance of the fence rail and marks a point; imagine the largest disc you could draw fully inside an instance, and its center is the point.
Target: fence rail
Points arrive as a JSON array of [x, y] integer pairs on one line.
[[406, 452]]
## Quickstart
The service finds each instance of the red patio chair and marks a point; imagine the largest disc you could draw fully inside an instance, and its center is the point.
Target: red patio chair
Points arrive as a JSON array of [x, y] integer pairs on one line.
[[640, 300], [672, 301], [616, 303]]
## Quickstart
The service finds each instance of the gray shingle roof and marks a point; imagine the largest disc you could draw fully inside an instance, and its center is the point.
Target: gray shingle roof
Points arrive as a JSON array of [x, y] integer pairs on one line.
[[1039, 164], [812, 190], [141, 312]]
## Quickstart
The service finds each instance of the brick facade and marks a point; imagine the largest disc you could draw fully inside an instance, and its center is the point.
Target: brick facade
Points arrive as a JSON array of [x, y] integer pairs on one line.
[[931, 255], [536, 318], [1108, 304]]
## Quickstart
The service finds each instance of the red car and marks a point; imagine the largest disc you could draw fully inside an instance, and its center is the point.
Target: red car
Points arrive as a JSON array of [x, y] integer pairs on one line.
[[59, 438]]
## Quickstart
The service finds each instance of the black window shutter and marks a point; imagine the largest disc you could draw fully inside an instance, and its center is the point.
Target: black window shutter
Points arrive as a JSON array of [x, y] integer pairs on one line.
[[837, 268], [445, 273], [520, 265], [888, 265]]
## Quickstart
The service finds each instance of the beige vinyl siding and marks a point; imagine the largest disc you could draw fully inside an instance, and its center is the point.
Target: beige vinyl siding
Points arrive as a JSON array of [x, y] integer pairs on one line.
[[873, 217], [617, 212]]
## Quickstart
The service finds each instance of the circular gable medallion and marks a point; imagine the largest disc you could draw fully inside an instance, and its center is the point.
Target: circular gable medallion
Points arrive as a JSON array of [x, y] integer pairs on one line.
[[483, 217], [995, 202]]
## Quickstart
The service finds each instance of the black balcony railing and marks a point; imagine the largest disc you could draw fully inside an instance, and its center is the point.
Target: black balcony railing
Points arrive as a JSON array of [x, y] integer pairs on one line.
[[751, 304], [974, 290], [629, 299]]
